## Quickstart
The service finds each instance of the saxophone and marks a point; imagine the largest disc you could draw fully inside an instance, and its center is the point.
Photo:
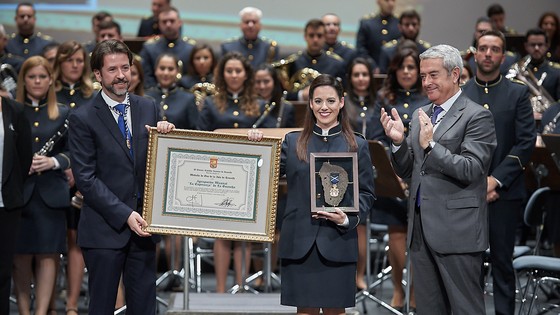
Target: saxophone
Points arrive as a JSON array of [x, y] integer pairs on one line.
[[540, 99]]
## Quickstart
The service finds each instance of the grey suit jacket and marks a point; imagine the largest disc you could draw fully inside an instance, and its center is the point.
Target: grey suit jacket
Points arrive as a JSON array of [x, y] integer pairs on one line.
[[451, 178]]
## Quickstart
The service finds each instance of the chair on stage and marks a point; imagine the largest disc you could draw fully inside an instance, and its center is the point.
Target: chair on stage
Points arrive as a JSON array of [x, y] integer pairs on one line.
[[543, 272], [199, 251]]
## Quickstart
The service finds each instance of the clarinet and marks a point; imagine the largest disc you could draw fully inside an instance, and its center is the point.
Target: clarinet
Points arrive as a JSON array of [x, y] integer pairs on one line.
[[263, 116], [49, 145]]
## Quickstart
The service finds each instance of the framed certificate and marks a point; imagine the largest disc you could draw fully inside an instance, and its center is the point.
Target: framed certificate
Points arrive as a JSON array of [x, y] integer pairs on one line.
[[211, 184], [334, 181]]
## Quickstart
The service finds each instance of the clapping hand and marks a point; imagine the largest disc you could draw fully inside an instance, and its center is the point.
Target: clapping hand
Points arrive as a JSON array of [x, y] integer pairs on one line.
[[394, 128]]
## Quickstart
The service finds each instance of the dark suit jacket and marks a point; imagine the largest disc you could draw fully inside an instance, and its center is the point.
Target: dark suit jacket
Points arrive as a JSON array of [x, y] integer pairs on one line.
[[111, 182], [452, 177], [17, 153]]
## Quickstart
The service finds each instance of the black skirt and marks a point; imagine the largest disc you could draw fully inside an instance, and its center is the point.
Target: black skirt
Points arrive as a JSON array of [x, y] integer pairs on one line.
[[316, 282]]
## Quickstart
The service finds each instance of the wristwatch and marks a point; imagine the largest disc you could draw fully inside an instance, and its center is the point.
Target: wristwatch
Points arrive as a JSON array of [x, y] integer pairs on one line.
[[430, 146]]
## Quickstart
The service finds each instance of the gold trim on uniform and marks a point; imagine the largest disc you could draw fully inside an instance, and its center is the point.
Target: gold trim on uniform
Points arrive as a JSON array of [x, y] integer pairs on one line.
[[235, 113], [171, 45], [235, 125], [36, 124], [384, 32]]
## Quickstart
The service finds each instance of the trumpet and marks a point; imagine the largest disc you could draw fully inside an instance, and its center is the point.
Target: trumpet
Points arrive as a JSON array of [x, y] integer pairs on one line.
[[540, 99]]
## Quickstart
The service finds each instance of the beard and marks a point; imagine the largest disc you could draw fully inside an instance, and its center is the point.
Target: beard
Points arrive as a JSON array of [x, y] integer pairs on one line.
[[119, 92], [486, 70]]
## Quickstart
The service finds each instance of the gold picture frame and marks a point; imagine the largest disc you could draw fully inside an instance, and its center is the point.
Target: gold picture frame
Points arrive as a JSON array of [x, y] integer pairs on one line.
[[210, 184], [334, 178]]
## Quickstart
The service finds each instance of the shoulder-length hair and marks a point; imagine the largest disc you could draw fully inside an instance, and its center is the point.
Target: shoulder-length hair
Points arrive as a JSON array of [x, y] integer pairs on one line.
[[391, 85], [65, 51], [198, 47], [21, 93], [248, 97], [350, 68], [310, 120], [139, 90]]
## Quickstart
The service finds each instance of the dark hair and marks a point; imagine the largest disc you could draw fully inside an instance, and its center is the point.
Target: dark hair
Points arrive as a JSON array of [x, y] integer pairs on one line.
[[409, 14], [484, 19], [101, 16], [25, 4], [105, 25], [391, 85], [277, 90], [536, 32], [111, 46], [314, 24], [495, 9], [350, 88], [198, 47], [170, 9], [469, 69], [248, 98], [139, 90], [49, 46], [494, 33], [176, 61], [310, 120], [65, 51]]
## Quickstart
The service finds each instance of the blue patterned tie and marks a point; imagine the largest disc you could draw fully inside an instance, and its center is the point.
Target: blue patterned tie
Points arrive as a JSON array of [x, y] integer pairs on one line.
[[120, 108], [435, 114]]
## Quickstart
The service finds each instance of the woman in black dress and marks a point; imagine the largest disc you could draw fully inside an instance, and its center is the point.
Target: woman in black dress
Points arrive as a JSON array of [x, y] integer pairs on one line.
[[42, 234], [319, 252], [74, 88], [402, 89]]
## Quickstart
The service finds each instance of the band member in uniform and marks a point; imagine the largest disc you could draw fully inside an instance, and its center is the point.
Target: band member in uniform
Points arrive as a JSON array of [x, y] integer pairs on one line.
[[497, 15], [332, 29], [200, 69], [536, 45], [170, 41], [515, 132], [270, 91], [149, 26], [6, 57], [409, 26], [96, 20], [255, 48], [376, 30], [235, 105], [319, 251], [549, 22], [26, 42], [42, 235]]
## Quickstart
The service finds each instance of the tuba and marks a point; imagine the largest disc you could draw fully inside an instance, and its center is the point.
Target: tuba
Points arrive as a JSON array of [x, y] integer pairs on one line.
[[540, 99], [200, 91]]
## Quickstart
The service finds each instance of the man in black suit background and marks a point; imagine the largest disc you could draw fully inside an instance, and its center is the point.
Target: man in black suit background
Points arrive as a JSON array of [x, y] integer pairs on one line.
[[15, 160], [108, 141], [515, 131]]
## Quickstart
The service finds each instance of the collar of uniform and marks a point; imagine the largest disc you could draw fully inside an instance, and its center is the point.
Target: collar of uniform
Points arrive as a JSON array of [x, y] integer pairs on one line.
[[332, 132], [407, 92], [28, 37], [170, 89], [356, 99], [489, 83], [237, 96], [66, 86], [246, 41], [29, 102], [316, 56], [535, 63]]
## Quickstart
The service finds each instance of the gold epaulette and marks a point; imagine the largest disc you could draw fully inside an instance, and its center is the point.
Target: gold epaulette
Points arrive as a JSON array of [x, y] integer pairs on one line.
[[514, 80], [510, 53], [554, 65], [153, 40], [290, 59], [188, 40], [43, 36], [333, 55], [13, 35], [345, 44], [425, 44], [370, 15], [391, 43], [137, 57], [97, 86], [231, 39]]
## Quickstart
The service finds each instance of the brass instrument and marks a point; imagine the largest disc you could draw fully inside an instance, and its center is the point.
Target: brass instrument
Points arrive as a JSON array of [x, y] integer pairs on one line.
[[549, 128], [302, 79], [200, 91], [541, 99]]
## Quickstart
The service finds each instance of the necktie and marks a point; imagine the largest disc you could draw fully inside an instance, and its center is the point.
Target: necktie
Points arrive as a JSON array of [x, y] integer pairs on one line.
[[435, 114], [121, 108]]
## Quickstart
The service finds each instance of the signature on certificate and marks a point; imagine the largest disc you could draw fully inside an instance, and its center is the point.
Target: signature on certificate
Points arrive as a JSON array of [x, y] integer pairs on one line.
[[226, 202], [194, 200]]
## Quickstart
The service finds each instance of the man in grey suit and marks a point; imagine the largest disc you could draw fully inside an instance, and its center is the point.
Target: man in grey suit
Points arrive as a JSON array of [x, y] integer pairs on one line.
[[447, 154]]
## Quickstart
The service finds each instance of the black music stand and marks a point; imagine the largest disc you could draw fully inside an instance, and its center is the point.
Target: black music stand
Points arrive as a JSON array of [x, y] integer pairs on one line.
[[552, 142], [544, 167], [387, 184]]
